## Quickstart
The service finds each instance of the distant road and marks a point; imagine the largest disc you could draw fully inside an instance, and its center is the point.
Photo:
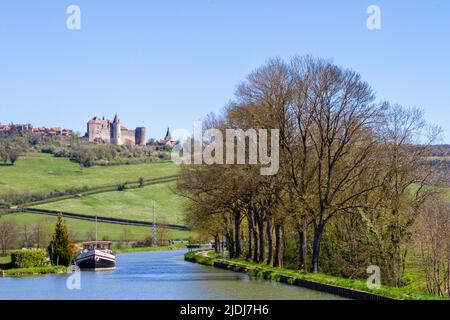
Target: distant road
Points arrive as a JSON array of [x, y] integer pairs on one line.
[[104, 219]]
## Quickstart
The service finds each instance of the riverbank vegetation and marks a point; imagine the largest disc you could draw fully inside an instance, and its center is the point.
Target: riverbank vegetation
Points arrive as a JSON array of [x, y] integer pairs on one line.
[[175, 246], [21, 259], [27, 263], [291, 276], [34, 271], [355, 186]]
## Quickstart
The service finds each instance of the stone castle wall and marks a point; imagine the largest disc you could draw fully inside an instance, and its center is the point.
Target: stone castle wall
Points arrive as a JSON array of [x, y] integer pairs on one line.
[[99, 131], [105, 131], [127, 137]]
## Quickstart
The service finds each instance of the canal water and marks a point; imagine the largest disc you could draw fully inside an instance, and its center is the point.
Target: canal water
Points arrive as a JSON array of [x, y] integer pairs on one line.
[[155, 276]]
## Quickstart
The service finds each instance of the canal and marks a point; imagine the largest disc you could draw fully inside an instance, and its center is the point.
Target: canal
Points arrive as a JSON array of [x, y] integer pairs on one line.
[[155, 276]]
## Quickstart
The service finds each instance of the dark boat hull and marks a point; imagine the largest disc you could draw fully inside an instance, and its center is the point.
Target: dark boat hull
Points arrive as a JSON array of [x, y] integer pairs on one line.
[[95, 261]]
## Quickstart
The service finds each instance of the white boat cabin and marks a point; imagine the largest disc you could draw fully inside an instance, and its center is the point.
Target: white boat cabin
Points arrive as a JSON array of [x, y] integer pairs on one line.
[[104, 246]]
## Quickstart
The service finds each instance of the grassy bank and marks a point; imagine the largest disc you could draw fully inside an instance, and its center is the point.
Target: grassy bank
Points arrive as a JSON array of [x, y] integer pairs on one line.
[[276, 274], [34, 271], [6, 259], [145, 249]]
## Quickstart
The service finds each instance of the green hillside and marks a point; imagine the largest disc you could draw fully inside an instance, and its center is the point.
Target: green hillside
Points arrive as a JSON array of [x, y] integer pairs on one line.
[[133, 204], [42, 172], [37, 172]]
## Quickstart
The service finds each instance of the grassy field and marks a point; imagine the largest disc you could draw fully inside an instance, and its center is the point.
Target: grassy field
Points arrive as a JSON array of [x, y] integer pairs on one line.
[[6, 259], [43, 172], [133, 204], [79, 229], [37, 172]]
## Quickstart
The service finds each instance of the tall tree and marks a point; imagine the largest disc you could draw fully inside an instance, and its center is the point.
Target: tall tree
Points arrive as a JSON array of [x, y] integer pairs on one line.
[[60, 247], [335, 115]]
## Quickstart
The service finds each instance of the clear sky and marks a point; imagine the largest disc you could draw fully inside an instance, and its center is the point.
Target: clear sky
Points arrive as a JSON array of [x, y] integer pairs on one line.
[[170, 62]]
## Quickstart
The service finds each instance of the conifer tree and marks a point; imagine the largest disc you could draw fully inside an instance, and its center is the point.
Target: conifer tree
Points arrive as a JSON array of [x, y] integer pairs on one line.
[[60, 247]]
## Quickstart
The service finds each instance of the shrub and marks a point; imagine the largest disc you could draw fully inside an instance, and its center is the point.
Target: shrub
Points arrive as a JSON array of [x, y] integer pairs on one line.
[[122, 186], [13, 156], [29, 258], [147, 242]]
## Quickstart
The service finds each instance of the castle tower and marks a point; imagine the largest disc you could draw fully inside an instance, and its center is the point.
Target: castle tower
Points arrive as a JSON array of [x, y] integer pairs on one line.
[[116, 135], [98, 130], [140, 136]]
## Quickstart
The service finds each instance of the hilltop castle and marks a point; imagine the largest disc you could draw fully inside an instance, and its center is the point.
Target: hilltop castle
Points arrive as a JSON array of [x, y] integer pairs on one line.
[[106, 131]]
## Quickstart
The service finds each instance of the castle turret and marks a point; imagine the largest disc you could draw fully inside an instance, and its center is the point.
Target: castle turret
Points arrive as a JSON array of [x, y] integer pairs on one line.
[[140, 136], [116, 136]]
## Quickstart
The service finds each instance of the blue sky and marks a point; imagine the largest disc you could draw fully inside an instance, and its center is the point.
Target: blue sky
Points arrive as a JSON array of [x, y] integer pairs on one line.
[[170, 62]]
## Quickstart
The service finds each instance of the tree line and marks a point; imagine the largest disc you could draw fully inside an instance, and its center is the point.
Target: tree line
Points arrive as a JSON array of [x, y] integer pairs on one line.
[[354, 175]]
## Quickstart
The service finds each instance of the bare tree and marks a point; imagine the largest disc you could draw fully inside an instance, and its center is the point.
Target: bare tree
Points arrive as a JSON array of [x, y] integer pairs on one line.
[[162, 233], [8, 235], [334, 114], [26, 232], [404, 177], [42, 232], [434, 242]]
